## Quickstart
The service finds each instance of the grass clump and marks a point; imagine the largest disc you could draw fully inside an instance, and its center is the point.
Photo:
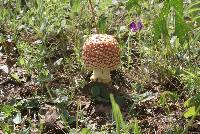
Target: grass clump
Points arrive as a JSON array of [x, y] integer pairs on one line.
[[44, 86]]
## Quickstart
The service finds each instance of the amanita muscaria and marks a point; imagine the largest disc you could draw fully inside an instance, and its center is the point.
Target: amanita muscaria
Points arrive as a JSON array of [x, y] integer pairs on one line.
[[102, 55]]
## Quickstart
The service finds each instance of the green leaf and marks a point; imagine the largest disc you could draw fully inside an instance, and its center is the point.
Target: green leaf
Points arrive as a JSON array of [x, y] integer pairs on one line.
[[7, 110], [195, 4], [193, 101], [160, 23], [2, 39], [21, 61], [136, 127], [100, 93], [172, 96], [132, 3], [162, 100], [75, 5], [181, 28], [167, 95], [187, 103], [16, 77], [194, 10], [120, 100], [103, 5], [6, 128], [95, 90], [86, 131], [117, 114], [191, 111], [102, 24]]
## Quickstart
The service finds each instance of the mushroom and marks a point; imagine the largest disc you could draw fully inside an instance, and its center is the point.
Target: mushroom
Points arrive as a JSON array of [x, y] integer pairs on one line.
[[102, 55]]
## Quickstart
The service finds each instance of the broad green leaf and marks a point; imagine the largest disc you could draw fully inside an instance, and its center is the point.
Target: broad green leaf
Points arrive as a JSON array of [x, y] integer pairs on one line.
[[85, 131], [95, 90], [160, 28], [7, 110], [16, 77], [100, 93], [160, 23], [191, 111], [120, 100], [181, 28], [193, 101], [104, 93]]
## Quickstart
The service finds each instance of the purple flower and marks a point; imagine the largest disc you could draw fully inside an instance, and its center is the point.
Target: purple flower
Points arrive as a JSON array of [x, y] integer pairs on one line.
[[139, 24], [135, 27]]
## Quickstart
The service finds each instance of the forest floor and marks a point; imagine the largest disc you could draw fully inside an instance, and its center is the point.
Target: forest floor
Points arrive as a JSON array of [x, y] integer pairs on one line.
[[96, 110]]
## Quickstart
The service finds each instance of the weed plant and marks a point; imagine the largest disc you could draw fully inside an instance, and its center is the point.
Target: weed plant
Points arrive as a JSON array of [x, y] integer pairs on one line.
[[160, 51]]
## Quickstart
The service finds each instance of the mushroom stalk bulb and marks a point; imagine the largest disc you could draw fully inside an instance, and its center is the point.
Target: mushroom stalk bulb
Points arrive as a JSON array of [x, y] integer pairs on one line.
[[101, 54]]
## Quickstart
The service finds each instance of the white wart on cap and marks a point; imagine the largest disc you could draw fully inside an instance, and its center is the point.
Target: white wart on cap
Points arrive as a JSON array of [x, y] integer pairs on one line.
[[101, 54]]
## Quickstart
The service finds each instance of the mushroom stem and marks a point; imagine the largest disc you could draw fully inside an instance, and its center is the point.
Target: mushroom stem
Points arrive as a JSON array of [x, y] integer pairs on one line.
[[101, 75]]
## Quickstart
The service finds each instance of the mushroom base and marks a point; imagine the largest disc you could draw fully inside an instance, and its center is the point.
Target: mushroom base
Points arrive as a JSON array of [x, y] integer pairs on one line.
[[101, 75]]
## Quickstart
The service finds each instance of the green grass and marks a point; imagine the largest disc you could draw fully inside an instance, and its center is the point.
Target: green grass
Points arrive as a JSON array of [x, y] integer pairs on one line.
[[44, 39]]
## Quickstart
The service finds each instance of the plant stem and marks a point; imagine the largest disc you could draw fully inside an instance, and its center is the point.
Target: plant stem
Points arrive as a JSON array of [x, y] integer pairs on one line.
[[128, 49], [93, 15], [47, 87], [77, 116]]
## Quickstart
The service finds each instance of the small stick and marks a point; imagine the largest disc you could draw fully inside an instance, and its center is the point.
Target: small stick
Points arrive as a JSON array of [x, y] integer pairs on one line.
[[93, 15]]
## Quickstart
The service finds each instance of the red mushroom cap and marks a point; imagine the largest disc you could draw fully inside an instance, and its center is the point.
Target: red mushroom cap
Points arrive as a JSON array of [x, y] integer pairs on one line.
[[101, 51]]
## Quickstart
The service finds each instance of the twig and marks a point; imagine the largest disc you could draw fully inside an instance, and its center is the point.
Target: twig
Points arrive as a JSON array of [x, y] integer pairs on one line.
[[93, 15]]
